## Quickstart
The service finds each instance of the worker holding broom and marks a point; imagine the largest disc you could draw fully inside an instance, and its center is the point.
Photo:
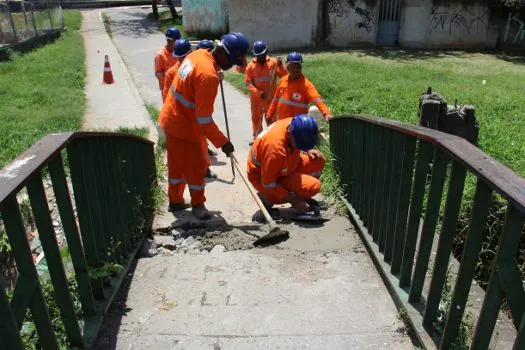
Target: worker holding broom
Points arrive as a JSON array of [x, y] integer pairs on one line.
[[294, 93], [164, 59], [261, 79], [186, 118], [283, 165]]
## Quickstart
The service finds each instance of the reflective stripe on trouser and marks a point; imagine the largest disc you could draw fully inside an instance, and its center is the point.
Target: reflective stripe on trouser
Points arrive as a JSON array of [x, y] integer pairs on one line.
[[301, 182], [258, 106], [186, 162]]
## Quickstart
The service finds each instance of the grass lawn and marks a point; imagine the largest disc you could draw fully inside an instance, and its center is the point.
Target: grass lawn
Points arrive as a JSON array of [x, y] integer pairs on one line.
[[384, 84], [388, 84], [165, 21], [42, 91]]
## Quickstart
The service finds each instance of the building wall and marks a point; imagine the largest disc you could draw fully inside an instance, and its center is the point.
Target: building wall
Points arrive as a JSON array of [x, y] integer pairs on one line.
[[351, 22], [447, 24], [282, 24], [205, 16], [512, 30]]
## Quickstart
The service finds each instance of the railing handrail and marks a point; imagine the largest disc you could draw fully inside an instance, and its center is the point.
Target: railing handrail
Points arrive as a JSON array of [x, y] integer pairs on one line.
[[499, 177], [15, 174]]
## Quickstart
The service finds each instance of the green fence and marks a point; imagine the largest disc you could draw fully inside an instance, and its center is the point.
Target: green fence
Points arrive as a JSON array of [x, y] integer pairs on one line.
[[384, 167], [112, 177]]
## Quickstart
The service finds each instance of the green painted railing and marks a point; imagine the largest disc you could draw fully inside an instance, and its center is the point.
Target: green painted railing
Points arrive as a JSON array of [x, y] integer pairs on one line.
[[112, 177], [383, 167]]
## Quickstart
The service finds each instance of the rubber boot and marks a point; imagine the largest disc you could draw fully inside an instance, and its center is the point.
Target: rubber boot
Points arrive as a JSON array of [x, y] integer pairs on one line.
[[201, 212], [173, 207]]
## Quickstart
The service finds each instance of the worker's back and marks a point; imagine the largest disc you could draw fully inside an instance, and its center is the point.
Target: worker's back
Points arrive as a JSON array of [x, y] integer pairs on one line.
[[191, 96]]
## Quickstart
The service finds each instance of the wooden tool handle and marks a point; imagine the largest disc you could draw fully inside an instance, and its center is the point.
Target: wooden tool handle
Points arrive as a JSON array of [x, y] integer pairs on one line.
[[253, 192]]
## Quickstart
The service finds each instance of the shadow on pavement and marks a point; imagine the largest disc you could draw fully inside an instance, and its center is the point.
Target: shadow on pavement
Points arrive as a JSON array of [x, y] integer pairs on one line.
[[109, 331]]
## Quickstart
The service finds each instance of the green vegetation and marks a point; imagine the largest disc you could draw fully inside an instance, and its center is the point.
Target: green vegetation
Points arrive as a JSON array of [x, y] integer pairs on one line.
[[388, 83], [42, 91], [165, 21]]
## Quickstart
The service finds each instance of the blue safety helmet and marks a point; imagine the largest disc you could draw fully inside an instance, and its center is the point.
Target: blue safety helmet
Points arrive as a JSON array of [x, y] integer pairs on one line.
[[205, 44], [304, 131], [236, 46], [172, 34], [294, 57], [259, 48], [182, 48]]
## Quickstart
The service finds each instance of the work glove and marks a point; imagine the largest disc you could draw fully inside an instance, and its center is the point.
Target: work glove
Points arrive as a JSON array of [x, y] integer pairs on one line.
[[227, 148]]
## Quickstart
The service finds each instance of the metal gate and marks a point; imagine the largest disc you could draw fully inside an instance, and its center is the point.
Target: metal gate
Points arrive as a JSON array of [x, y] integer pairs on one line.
[[388, 28]]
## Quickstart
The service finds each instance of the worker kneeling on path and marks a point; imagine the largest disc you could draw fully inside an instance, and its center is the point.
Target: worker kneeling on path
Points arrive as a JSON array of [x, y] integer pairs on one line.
[[260, 80], [164, 59], [294, 93], [282, 164], [186, 118]]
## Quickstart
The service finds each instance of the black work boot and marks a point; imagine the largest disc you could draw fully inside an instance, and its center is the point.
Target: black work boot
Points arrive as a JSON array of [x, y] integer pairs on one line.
[[173, 207], [212, 153], [201, 212]]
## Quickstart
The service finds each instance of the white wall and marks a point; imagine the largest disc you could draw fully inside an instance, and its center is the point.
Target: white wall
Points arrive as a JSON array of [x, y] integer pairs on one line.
[[352, 23], [450, 24], [280, 23], [205, 16]]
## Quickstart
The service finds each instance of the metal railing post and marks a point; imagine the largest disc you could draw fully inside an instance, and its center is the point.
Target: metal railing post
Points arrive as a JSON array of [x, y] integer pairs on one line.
[[11, 22], [33, 18]]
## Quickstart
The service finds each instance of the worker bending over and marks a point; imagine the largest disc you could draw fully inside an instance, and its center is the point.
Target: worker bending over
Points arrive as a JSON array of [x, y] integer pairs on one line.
[[282, 164], [164, 59], [261, 80], [294, 93], [186, 118]]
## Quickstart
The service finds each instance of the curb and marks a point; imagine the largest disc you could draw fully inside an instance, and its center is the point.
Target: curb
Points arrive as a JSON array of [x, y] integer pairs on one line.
[[153, 131]]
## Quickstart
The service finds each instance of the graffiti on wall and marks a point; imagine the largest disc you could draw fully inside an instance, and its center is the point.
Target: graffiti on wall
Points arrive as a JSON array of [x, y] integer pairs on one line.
[[354, 13], [459, 20], [208, 16], [515, 29]]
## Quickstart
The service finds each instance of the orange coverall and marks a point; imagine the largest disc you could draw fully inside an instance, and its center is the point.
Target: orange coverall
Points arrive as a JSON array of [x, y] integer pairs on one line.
[[275, 168], [170, 75], [292, 98], [164, 60], [257, 80], [186, 118]]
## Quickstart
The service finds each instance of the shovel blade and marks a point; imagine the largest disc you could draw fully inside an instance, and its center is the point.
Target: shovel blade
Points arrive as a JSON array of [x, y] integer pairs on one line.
[[275, 236]]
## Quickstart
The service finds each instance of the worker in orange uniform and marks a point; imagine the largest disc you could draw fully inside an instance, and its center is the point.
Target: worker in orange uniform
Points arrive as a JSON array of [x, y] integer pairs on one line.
[[258, 78], [164, 59], [186, 118], [294, 93], [283, 165], [181, 49]]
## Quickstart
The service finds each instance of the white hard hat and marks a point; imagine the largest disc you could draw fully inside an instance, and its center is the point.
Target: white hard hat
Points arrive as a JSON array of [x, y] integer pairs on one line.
[[314, 112]]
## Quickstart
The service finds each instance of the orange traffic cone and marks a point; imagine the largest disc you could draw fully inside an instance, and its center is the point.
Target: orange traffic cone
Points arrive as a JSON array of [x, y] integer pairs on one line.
[[108, 76]]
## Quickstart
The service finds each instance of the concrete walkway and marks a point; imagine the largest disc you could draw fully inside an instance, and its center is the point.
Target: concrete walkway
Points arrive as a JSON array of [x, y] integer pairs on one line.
[[319, 289], [109, 106]]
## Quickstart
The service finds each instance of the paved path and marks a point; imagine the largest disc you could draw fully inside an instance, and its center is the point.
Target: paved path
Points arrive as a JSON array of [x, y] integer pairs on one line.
[[114, 105], [319, 289]]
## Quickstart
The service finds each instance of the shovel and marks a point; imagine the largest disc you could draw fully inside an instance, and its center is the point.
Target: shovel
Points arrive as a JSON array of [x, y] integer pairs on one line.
[[276, 234]]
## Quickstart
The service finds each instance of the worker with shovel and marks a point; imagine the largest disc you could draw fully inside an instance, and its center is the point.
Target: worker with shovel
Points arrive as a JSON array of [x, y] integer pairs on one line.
[[283, 165], [294, 93], [186, 118], [181, 50], [164, 59], [261, 79]]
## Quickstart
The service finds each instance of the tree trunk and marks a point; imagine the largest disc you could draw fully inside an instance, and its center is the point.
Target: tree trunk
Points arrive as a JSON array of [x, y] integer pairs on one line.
[[155, 9], [174, 14]]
